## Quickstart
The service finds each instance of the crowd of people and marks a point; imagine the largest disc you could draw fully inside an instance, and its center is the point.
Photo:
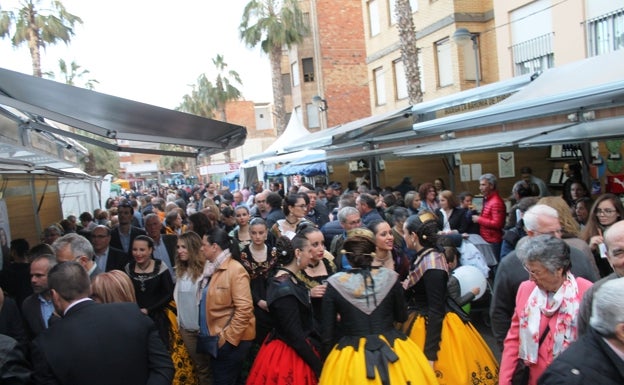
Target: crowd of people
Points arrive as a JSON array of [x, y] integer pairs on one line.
[[320, 285]]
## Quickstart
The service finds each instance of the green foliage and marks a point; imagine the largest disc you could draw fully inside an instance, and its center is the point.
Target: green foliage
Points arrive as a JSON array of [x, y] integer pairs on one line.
[[72, 74], [38, 23]]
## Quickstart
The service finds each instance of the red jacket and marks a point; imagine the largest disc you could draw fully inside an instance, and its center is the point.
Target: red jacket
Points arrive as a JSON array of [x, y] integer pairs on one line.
[[492, 218]]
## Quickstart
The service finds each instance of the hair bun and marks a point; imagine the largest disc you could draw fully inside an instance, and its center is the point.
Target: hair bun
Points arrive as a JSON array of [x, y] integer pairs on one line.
[[361, 232]]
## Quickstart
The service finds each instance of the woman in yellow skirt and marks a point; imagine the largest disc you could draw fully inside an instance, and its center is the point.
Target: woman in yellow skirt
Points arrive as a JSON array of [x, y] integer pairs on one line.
[[368, 301], [439, 327]]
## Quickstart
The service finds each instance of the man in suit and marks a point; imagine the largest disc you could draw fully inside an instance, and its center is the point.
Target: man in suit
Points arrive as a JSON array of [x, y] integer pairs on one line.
[[124, 233], [74, 247], [165, 245], [107, 257], [71, 351], [37, 309]]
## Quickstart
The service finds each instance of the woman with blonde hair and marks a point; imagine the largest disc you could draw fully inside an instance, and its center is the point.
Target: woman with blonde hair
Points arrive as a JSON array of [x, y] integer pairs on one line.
[[112, 286], [189, 267], [570, 229]]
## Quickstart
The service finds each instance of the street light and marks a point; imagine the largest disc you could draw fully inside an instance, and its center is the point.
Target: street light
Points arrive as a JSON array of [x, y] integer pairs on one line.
[[462, 37], [320, 102]]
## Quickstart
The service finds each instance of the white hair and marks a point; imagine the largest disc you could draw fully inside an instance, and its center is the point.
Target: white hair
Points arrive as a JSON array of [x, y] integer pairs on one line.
[[608, 307], [532, 215]]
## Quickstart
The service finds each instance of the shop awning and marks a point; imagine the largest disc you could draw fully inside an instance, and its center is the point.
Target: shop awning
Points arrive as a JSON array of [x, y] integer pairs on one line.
[[583, 132], [593, 83], [352, 131], [400, 121], [114, 118], [481, 142]]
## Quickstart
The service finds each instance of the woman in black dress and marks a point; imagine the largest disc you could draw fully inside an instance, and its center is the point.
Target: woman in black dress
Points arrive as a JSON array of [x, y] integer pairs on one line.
[[290, 353]]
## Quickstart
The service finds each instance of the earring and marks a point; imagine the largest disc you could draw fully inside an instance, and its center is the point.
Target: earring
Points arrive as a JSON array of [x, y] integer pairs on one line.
[[298, 261]]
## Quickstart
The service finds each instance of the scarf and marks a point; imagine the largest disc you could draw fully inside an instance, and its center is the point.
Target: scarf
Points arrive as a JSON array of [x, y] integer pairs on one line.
[[211, 267], [426, 259], [565, 303]]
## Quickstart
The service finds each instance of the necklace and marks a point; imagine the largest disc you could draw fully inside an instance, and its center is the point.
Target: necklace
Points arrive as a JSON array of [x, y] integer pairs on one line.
[[292, 223]]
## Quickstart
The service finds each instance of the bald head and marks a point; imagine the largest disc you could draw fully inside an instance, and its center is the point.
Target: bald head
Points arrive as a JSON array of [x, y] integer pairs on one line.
[[614, 240]]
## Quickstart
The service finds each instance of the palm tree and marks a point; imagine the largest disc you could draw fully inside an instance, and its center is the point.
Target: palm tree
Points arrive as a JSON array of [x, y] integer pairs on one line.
[[224, 88], [273, 24], [409, 50], [71, 74], [38, 23], [225, 91], [202, 100]]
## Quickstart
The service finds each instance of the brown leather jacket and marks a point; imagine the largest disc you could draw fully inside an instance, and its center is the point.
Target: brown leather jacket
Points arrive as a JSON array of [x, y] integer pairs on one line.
[[229, 296]]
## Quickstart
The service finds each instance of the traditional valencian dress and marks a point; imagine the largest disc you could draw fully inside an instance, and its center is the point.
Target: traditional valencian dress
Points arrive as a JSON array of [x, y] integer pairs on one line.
[[290, 353], [371, 350], [441, 329]]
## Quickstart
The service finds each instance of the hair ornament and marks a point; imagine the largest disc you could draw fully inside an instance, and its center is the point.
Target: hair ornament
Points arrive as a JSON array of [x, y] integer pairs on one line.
[[361, 232], [345, 252], [427, 216]]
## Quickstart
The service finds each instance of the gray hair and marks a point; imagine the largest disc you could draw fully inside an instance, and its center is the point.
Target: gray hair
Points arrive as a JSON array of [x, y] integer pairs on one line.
[[608, 307], [345, 212], [490, 178], [51, 258], [78, 245], [550, 251], [532, 215], [70, 280]]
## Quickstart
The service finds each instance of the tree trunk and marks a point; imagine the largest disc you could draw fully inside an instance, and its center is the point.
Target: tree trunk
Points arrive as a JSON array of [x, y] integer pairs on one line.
[[278, 90], [409, 50], [33, 47]]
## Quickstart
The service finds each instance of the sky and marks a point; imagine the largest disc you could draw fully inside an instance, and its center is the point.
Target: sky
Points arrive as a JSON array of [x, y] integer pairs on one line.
[[152, 51]]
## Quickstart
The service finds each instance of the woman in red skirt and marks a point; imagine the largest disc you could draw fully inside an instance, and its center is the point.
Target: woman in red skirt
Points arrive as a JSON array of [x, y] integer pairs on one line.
[[289, 354]]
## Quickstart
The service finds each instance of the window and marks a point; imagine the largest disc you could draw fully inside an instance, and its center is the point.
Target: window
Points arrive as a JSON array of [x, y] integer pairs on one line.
[[313, 115], [392, 9], [399, 79], [443, 57], [606, 33], [470, 64], [380, 86], [373, 17], [533, 55], [308, 69], [532, 37], [294, 70]]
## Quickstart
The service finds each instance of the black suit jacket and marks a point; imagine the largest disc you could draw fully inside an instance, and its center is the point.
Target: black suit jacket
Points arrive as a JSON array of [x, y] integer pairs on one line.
[[33, 319], [102, 344], [117, 259], [116, 240]]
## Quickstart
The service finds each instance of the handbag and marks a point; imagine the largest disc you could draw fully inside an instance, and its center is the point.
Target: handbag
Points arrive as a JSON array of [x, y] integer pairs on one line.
[[521, 373], [207, 344]]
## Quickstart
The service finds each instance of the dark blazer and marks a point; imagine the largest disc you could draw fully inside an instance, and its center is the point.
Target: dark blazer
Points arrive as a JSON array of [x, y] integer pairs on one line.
[[116, 240], [11, 323], [33, 319], [102, 344], [117, 259]]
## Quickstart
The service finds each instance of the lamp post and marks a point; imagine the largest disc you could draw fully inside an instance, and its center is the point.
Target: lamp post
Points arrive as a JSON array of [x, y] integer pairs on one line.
[[320, 102], [463, 36]]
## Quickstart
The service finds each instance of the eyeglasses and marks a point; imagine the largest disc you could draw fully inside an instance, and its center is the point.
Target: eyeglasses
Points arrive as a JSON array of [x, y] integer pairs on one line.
[[356, 222], [260, 201], [301, 205], [533, 273], [605, 212], [551, 233], [100, 236]]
